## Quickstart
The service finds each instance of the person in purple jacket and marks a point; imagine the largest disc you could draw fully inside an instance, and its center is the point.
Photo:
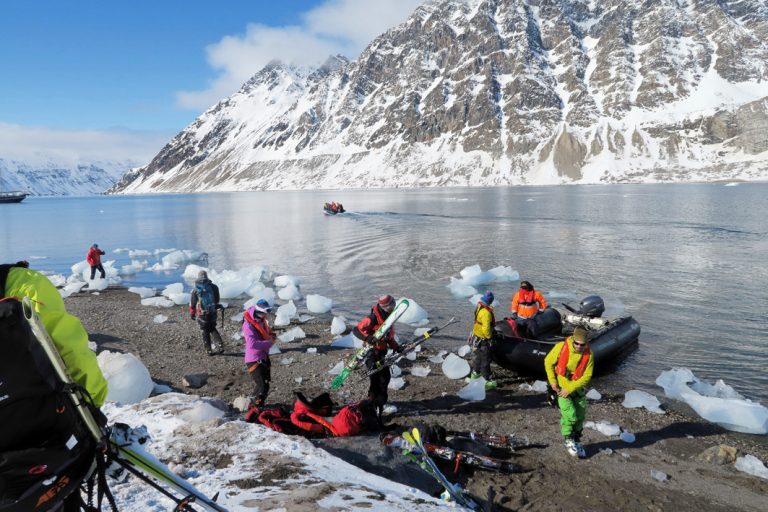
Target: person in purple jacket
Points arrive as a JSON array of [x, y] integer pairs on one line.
[[258, 340]]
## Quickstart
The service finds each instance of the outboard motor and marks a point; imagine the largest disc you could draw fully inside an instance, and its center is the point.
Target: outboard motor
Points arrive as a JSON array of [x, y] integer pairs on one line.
[[592, 307]]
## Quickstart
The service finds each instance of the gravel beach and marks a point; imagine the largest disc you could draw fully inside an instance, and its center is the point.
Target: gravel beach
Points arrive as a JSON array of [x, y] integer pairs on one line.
[[614, 476]]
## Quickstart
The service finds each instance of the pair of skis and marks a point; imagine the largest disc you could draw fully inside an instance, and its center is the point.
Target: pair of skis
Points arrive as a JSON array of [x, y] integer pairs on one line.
[[354, 362], [409, 347], [457, 456], [127, 454]]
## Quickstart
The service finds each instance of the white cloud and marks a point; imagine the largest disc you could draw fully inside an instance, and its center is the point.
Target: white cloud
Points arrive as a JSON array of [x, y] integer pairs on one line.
[[333, 27], [39, 145]]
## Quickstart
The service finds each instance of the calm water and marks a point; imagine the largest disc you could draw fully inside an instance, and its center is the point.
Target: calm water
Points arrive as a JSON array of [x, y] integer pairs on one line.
[[688, 261]]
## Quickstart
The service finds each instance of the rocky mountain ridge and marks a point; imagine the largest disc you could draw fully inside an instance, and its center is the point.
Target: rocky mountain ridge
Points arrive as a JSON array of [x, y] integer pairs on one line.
[[52, 178], [498, 92]]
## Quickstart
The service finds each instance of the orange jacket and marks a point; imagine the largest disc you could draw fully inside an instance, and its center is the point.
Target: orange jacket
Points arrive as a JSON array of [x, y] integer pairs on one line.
[[527, 303]]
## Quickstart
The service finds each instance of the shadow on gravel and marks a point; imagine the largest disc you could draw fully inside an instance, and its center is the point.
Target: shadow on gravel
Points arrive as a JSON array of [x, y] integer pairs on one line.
[[105, 341], [677, 430]]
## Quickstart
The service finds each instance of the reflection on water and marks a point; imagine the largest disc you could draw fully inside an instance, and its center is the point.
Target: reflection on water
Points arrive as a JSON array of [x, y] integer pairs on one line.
[[685, 260]]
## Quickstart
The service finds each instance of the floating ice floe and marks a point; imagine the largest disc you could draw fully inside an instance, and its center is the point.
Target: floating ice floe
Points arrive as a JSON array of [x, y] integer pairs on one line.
[[291, 335], [474, 391], [636, 398], [414, 315], [420, 371], [138, 252], [347, 341], [604, 427], [464, 350], [175, 259], [319, 304], [460, 289], [594, 394], [455, 367], [281, 281], [160, 319], [752, 465], [474, 276], [158, 302], [396, 383], [142, 292], [128, 380], [717, 403], [538, 386], [290, 292], [338, 326], [134, 267]]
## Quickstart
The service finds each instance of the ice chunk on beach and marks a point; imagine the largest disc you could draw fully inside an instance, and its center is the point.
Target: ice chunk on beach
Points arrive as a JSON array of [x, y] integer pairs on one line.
[[173, 289], [319, 304], [142, 292], [627, 437], [287, 360], [636, 398], [128, 380], [504, 274], [71, 288], [57, 280], [594, 394], [752, 465], [201, 412], [395, 370], [290, 292], [160, 319], [338, 326], [98, 284], [396, 383], [538, 386], [347, 341], [337, 369], [419, 331], [737, 414], [459, 288], [274, 350], [464, 350], [281, 281], [474, 276], [455, 367], [281, 320], [420, 371], [474, 391], [288, 310], [659, 475], [414, 315], [291, 335], [305, 318], [180, 298], [158, 302], [604, 427], [312, 350]]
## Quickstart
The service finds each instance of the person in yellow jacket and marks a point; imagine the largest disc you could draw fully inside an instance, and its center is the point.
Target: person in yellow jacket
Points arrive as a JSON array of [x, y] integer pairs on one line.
[[65, 330], [569, 367], [481, 339]]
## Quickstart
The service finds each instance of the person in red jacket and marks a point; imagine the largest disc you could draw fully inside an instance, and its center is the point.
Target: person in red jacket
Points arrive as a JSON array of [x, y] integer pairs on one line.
[[94, 260], [364, 331]]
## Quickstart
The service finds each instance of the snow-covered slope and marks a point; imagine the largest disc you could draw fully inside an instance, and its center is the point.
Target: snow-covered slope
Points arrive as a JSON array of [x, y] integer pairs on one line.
[[493, 92], [51, 178]]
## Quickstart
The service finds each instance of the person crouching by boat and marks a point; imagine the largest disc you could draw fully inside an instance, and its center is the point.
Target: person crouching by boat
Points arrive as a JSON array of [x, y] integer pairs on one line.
[[258, 340], [481, 339], [526, 304], [569, 367], [364, 331]]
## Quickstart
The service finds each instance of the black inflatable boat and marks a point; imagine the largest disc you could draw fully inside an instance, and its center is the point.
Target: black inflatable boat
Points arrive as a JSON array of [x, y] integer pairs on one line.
[[524, 349]]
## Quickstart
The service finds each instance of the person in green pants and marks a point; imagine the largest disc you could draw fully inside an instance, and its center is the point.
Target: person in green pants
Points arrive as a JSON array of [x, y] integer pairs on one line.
[[569, 367]]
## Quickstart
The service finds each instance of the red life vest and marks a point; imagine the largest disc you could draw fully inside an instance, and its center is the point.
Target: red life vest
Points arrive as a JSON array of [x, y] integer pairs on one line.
[[260, 325], [371, 323], [350, 419], [562, 363], [310, 420]]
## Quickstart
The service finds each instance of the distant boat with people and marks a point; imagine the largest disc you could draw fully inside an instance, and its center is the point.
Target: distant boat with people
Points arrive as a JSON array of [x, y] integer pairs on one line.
[[333, 208], [12, 197]]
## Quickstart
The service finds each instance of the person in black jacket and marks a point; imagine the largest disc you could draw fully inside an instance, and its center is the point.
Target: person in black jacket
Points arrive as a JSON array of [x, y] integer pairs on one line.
[[204, 305]]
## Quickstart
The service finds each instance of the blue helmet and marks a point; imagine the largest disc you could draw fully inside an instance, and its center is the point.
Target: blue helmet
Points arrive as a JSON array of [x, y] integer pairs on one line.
[[487, 298]]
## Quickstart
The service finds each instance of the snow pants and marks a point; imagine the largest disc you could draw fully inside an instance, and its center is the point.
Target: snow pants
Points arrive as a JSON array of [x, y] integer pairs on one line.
[[379, 385], [98, 267], [261, 373], [573, 409], [207, 324], [481, 357]]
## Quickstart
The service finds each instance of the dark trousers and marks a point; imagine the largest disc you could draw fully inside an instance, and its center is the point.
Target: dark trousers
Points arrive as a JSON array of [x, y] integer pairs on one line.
[[98, 267], [261, 373], [481, 356], [207, 323], [378, 389]]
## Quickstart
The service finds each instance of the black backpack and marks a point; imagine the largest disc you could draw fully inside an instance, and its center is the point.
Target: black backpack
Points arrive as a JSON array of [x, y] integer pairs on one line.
[[46, 451]]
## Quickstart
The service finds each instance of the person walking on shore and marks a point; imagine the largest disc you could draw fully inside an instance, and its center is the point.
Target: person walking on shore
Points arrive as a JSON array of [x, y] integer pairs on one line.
[[258, 340], [364, 330], [94, 260], [204, 305], [526, 304], [569, 366], [481, 339]]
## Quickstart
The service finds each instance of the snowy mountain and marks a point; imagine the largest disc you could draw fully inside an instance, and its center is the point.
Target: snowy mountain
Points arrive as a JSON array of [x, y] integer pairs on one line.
[[51, 178], [497, 92]]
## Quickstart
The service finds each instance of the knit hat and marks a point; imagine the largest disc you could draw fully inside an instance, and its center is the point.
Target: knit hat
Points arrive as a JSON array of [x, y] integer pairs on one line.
[[526, 285], [262, 306], [487, 298], [387, 301], [580, 335]]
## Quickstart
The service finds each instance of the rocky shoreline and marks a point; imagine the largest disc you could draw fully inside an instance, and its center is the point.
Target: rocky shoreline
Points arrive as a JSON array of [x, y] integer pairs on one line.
[[615, 475]]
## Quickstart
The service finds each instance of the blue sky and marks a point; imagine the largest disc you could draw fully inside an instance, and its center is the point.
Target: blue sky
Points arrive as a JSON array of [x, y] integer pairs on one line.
[[147, 68]]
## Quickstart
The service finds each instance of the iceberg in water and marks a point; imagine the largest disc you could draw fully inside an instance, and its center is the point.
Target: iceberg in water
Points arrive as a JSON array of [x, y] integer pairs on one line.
[[717, 403], [460, 289], [474, 276]]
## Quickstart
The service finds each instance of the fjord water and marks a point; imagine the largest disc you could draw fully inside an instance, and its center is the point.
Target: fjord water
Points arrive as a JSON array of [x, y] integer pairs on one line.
[[687, 261]]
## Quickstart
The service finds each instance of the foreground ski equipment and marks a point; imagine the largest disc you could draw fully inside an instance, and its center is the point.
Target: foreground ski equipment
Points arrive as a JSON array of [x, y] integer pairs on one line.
[[134, 460], [356, 360], [409, 347], [456, 493]]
